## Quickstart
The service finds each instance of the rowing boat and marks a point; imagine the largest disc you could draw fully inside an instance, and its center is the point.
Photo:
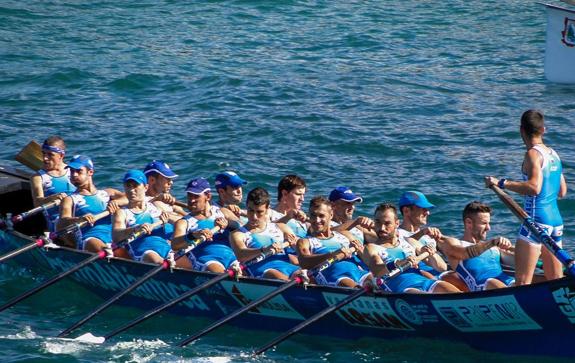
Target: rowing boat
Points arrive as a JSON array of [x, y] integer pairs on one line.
[[535, 320]]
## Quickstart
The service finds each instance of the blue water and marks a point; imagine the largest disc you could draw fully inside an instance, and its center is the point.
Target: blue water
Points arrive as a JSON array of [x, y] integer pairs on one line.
[[382, 96]]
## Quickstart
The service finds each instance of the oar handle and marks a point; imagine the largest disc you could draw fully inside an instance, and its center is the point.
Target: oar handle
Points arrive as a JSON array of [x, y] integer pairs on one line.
[[194, 243], [405, 265], [140, 231], [20, 217], [265, 253], [562, 255]]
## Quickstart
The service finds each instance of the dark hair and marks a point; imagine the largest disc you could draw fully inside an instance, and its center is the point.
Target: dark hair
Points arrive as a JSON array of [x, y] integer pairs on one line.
[[385, 206], [258, 196], [318, 201], [55, 140], [474, 208], [289, 183], [533, 122]]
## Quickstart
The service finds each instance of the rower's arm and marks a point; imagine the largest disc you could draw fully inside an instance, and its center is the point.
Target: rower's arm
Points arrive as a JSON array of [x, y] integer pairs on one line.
[[179, 236], [119, 230], [117, 196], [435, 260], [38, 192], [233, 220], [453, 249], [67, 214], [307, 259], [532, 168], [243, 252], [563, 187], [374, 261]]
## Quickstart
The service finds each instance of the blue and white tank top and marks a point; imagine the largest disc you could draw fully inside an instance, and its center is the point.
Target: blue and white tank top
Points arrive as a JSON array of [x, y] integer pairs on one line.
[[487, 264], [270, 235], [56, 184], [151, 214], [194, 224], [327, 245], [91, 204], [543, 206]]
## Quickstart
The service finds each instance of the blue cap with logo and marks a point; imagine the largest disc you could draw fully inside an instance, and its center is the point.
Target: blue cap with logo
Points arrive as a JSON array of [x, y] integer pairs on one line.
[[344, 193], [135, 175], [160, 167], [198, 186], [79, 161], [229, 178], [414, 198]]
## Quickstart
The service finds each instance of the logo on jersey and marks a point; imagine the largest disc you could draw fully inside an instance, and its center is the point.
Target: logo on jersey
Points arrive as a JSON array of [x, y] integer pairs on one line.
[[568, 32]]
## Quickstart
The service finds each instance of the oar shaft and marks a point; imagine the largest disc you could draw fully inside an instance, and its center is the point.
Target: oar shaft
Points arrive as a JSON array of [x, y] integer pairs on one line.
[[71, 228], [563, 256], [239, 312], [53, 280], [311, 320], [38, 243], [169, 304], [20, 217], [115, 298]]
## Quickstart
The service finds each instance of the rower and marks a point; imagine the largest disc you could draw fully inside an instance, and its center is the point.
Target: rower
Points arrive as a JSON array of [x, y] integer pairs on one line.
[[139, 213], [214, 254], [291, 192], [229, 188], [52, 182], [477, 261], [323, 243], [415, 208], [87, 201], [259, 235], [385, 253], [343, 201]]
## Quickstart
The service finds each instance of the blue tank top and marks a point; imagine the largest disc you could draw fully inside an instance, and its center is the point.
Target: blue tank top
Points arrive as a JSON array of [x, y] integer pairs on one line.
[[270, 235], [194, 224], [56, 184], [479, 268], [299, 228], [150, 215], [91, 204], [543, 206]]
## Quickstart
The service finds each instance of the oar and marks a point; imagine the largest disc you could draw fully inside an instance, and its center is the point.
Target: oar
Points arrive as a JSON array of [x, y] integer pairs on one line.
[[20, 217], [163, 266], [31, 156], [296, 281], [88, 337], [74, 226], [541, 234], [336, 306], [41, 242], [53, 280]]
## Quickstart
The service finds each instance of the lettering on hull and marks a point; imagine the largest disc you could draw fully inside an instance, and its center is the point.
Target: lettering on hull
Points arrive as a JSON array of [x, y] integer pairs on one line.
[[368, 312], [565, 299], [502, 313], [115, 278], [277, 307]]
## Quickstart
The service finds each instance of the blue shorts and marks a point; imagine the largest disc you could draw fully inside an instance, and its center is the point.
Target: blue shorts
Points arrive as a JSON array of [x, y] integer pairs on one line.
[[411, 279], [278, 262], [339, 270], [556, 232], [103, 232], [503, 277], [141, 246], [203, 256]]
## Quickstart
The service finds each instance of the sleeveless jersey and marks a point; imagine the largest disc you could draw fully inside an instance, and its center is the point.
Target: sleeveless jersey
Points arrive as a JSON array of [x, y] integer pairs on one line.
[[475, 271], [156, 241], [91, 204], [53, 185], [150, 215], [543, 206]]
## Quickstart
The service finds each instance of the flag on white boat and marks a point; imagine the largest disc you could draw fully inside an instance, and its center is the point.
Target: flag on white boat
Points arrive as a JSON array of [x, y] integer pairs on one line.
[[560, 45]]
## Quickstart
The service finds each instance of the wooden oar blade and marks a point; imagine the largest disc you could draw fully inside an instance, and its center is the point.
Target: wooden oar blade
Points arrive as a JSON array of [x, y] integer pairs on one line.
[[31, 156]]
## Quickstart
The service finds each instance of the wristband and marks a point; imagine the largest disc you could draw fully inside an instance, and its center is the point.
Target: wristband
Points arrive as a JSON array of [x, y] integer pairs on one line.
[[501, 183], [390, 266]]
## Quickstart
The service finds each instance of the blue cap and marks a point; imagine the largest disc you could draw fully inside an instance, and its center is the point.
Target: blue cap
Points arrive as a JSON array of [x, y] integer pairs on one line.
[[229, 178], [161, 168], [78, 161], [344, 193], [135, 175], [414, 198], [198, 186]]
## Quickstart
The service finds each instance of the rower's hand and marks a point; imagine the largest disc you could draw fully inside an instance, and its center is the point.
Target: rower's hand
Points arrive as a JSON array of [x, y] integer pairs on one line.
[[165, 217], [113, 207], [502, 243], [235, 209], [355, 243], [363, 222], [147, 228], [277, 248], [221, 222], [409, 261], [60, 196], [204, 234], [297, 214], [90, 219], [291, 239], [490, 180], [166, 198], [427, 249], [433, 232], [347, 253]]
